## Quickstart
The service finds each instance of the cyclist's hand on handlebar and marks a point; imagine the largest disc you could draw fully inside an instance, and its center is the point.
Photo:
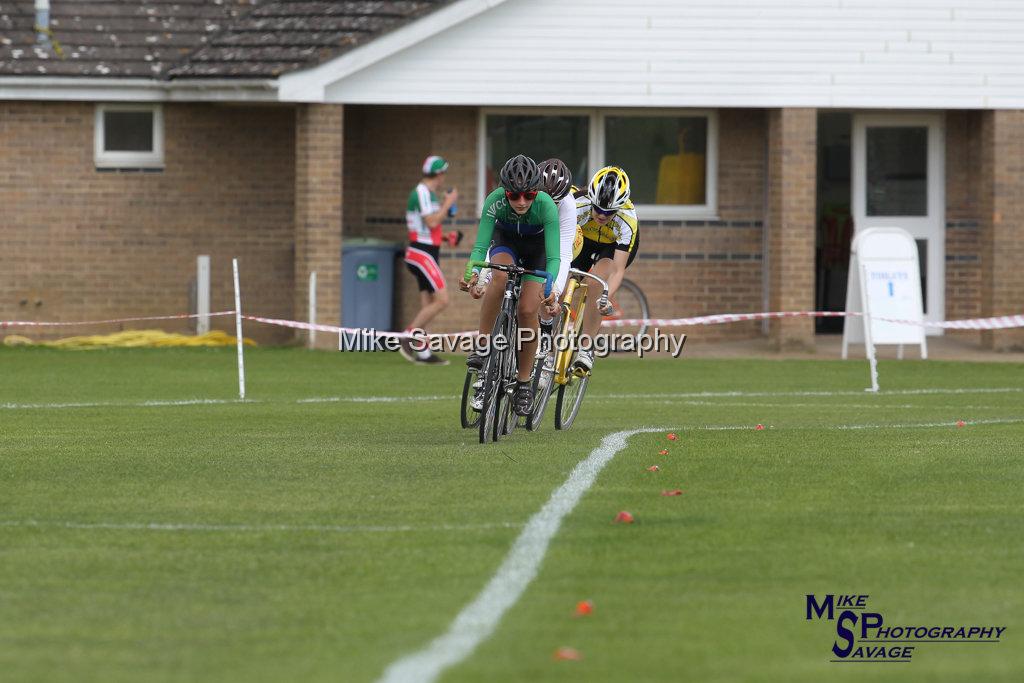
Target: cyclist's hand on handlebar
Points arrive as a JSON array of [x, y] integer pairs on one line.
[[465, 285], [477, 291], [550, 303], [605, 307]]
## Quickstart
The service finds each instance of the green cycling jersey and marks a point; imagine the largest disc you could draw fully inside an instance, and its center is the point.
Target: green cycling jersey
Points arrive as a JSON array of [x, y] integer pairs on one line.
[[539, 222]]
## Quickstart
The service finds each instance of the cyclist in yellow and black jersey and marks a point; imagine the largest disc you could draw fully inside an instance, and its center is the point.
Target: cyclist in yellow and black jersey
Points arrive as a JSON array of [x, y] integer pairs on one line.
[[610, 239]]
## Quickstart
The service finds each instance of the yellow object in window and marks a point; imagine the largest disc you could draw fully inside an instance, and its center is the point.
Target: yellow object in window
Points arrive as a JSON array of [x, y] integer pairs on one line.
[[681, 179]]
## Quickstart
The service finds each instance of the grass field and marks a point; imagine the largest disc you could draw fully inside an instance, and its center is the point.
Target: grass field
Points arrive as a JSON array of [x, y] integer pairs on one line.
[[283, 539]]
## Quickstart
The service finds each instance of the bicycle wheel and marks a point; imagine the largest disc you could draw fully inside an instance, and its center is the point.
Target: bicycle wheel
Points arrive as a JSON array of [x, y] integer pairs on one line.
[[542, 383], [505, 415], [470, 417], [493, 382], [570, 398], [630, 302]]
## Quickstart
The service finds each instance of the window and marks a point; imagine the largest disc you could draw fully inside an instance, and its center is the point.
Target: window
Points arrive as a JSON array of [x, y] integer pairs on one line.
[[537, 136], [129, 136], [671, 156]]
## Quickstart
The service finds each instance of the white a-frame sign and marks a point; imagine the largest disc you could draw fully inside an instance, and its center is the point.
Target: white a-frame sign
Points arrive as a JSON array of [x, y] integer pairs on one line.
[[884, 285]]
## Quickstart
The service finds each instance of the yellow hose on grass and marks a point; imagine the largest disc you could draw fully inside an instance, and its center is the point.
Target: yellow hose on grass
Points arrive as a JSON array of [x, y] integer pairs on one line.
[[132, 339]]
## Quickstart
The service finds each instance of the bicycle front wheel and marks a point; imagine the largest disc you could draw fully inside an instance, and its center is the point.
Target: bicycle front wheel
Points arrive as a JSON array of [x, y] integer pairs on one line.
[[570, 398], [630, 302], [469, 417], [494, 382]]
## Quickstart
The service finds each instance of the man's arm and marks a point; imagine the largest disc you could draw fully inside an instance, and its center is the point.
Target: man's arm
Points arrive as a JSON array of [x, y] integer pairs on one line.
[[432, 219], [485, 231], [552, 238], [567, 235]]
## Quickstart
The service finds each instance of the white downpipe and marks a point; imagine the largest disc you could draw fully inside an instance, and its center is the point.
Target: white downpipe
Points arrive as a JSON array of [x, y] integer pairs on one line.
[[238, 331], [202, 294], [311, 343]]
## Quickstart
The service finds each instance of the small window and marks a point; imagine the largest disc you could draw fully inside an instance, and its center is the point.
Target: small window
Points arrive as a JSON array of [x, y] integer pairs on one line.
[[129, 136]]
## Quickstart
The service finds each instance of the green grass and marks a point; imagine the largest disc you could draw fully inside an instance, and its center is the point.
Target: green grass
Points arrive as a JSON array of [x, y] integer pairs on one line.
[[294, 580]]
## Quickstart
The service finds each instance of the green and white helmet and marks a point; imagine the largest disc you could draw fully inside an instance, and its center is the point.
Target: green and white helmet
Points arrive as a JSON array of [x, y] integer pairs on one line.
[[433, 165]]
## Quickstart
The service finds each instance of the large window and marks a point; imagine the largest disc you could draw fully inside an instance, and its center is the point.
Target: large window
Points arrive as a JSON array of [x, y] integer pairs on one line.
[[670, 156], [129, 136]]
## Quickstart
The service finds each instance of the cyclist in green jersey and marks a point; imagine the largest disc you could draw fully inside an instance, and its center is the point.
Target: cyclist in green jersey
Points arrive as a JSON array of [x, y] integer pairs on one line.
[[519, 224]]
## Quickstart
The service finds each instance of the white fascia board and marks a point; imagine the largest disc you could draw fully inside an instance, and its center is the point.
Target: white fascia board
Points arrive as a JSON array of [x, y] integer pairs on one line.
[[309, 85], [136, 89]]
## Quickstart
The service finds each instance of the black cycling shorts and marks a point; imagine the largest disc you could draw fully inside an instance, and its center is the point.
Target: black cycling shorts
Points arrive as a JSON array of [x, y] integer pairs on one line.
[[526, 252], [592, 252]]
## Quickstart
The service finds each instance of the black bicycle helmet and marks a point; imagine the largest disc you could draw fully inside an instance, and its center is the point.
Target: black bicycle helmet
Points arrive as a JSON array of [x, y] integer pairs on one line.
[[556, 178], [519, 174]]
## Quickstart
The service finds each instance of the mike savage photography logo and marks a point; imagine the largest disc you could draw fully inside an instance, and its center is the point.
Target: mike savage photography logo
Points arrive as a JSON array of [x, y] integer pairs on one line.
[[866, 637], [601, 344]]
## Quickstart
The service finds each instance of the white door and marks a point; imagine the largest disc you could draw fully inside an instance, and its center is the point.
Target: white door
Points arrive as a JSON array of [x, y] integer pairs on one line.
[[899, 181]]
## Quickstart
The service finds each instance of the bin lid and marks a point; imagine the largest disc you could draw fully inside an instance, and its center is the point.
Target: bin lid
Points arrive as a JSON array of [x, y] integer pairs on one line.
[[371, 242]]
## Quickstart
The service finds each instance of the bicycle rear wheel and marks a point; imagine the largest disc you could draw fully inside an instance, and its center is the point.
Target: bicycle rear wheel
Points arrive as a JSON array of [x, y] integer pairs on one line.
[[570, 398], [630, 302]]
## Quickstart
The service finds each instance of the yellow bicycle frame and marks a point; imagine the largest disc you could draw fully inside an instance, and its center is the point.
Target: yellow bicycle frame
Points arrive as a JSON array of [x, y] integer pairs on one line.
[[574, 301]]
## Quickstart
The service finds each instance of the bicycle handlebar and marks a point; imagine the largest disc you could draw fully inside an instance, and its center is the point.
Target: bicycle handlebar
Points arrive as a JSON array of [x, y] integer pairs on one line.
[[511, 268]]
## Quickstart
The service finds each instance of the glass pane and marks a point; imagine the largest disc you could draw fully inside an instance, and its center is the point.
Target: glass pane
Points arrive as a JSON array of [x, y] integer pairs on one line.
[[897, 166], [922, 260], [665, 156], [539, 137], [128, 131]]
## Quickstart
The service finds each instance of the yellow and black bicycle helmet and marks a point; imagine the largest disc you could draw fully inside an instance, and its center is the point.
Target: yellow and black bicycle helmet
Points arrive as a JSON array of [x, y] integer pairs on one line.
[[609, 188]]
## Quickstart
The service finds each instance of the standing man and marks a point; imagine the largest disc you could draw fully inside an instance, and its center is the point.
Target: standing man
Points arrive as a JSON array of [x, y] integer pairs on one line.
[[423, 216]]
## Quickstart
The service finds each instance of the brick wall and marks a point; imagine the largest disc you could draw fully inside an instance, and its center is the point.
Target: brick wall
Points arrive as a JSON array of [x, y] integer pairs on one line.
[[792, 178], [685, 267], [964, 189], [318, 212], [90, 245], [1002, 223]]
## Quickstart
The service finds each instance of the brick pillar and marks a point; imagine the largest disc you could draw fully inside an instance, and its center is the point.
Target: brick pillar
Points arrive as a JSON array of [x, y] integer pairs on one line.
[[319, 134], [792, 178], [1002, 224]]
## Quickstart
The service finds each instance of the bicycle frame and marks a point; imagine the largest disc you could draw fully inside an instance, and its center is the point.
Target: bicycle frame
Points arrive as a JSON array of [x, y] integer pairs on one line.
[[573, 311]]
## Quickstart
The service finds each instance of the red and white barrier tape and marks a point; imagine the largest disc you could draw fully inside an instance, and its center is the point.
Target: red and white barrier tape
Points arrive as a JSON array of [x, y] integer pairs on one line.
[[997, 323], [28, 323], [349, 330]]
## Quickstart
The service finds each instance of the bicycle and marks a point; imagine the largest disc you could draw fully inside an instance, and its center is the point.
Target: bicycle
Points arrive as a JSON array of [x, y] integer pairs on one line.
[[630, 303], [497, 417], [572, 382]]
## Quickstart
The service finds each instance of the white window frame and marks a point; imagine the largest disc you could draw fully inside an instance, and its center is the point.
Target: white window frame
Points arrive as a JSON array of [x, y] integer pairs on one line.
[[153, 159], [596, 154]]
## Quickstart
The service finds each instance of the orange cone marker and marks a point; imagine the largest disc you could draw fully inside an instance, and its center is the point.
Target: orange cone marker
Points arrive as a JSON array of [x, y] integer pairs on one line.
[[672, 437], [584, 608], [759, 427], [960, 423], [675, 492], [663, 451], [653, 468], [563, 654], [624, 517]]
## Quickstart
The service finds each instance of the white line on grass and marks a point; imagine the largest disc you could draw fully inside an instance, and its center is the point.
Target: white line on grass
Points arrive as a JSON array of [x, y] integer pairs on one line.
[[665, 397], [477, 621], [160, 526]]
